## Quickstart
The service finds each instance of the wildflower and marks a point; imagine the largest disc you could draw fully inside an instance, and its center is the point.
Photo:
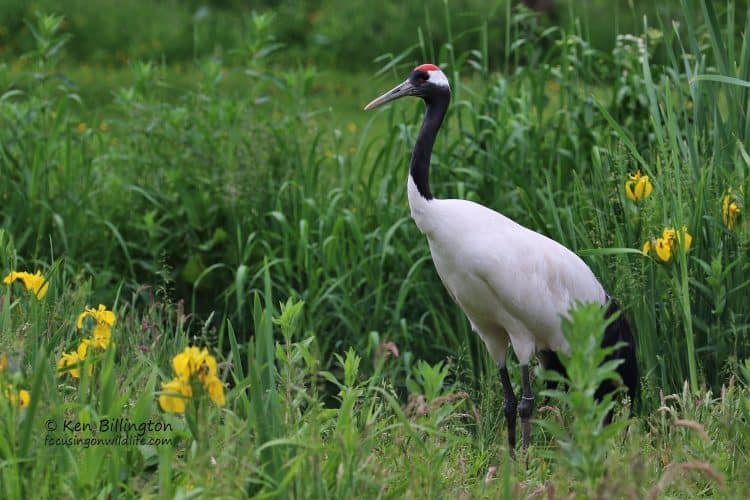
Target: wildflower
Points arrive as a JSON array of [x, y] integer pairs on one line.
[[175, 395], [33, 282], [682, 236], [82, 127], [730, 209], [192, 365], [104, 321], [70, 359], [192, 362], [75, 359], [103, 126], [215, 390], [664, 247], [638, 186], [100, 339], [101, 315], [102, 333], [22, 397]]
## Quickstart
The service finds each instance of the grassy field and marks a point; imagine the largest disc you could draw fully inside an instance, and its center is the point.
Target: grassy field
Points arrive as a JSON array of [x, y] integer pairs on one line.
[[240, 201]]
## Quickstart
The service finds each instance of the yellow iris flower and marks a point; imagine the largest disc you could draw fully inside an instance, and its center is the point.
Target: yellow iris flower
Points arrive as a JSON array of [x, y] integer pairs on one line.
[[665, 247], [104, 321], [175, 395], [638, 186], [24, 398], [21, 397], [100, 339], [192, 361], [101, 315], [101, 334], [192, 364], [730, 209], [35, 283], [215, 390], [74, 359]]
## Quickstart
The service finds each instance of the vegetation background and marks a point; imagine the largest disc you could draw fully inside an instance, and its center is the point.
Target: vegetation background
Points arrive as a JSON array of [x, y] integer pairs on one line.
[[194, 165]]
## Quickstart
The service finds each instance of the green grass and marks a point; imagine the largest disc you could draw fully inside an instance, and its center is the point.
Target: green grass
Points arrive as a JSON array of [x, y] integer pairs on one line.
[[290, 428], [192, 199]]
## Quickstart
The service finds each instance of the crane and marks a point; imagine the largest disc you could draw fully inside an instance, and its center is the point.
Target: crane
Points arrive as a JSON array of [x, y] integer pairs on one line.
[[512, 283]]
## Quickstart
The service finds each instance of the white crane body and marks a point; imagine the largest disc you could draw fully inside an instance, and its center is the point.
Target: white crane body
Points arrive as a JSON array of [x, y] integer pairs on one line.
[[511, 282]]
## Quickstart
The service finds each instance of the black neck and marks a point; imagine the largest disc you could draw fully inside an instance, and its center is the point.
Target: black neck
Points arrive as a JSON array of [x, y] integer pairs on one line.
[[419, 168]]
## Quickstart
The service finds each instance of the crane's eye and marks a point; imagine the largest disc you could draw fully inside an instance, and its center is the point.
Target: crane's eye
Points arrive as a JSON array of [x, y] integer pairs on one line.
[[423, 76]]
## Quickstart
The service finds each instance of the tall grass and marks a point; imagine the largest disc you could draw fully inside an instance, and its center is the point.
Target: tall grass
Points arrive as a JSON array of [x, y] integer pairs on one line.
[[194, 210], [333, 33], [203, 194], [281, 433]]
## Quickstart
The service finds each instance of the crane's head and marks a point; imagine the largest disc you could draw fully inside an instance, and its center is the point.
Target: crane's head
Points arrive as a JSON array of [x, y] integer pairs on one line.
[[425, 81]]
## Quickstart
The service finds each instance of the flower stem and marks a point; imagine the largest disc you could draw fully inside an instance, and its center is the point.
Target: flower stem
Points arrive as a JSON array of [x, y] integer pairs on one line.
[[683, 293]]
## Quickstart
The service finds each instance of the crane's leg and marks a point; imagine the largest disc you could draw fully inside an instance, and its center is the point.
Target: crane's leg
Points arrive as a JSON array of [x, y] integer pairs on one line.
[[509, 406], [525, 407]]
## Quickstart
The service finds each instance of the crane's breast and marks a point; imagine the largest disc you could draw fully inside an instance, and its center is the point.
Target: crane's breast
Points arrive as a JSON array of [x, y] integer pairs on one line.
[[500, 272]]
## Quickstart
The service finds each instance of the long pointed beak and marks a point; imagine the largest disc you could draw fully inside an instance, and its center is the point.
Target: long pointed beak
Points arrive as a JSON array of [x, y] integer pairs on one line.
[[402, 90]]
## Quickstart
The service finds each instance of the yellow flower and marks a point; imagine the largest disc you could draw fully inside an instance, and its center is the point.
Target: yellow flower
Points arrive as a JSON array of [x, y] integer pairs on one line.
[[638, 186], [21, 397], [192, 365], [33, 282], [70, 359], [215, 390], [664, 247], [102, 334], [175, 395], [3, 362], [75, 359], [103, 126], [192, 361], [24, 398], [684, 237], [102, 330], [101, 316], [83, 348], [82, 127], [186, 363], [730, 209], [207, 368]]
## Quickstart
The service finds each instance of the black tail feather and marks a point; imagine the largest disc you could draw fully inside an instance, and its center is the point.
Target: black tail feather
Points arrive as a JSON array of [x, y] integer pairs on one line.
[[617, 331]]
